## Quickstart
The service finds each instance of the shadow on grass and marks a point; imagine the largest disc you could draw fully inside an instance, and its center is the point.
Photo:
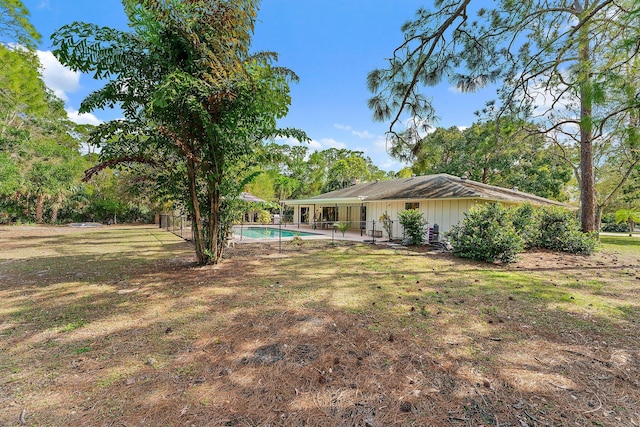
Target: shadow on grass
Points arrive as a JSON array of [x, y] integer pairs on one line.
[[347, 336], [621, 241]]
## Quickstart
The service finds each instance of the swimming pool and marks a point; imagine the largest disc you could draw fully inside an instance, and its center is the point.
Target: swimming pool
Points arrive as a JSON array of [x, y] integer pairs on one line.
[[266, 232]]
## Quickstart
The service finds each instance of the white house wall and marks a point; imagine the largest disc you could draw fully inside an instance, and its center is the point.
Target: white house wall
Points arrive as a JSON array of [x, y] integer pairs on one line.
[[445, 213], [296, 213]]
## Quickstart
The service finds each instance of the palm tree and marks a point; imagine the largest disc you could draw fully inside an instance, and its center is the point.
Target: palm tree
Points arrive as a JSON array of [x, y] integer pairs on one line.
[[629, 216], [285, 186]]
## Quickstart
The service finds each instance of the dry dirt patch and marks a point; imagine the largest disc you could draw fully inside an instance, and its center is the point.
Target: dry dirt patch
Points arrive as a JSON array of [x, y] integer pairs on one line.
[[118, 327]]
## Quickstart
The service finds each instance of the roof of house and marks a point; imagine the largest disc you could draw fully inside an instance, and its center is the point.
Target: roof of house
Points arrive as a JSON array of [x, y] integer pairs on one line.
[[440, 186], [248, 197]]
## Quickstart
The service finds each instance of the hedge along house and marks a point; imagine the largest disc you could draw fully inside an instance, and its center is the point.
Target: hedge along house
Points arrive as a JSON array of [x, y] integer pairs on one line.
[[443, 200]]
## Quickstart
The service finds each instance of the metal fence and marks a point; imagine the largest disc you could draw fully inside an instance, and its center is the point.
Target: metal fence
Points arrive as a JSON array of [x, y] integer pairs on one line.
[[180, 225], [394, 231], [371, 231], [365, 231]]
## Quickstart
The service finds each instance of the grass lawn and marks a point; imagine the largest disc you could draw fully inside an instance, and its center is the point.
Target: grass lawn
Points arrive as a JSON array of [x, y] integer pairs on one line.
[[117, 326]]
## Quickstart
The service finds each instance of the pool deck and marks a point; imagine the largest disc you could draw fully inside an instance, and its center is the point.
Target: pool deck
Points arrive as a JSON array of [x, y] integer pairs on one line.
[[322, 234]]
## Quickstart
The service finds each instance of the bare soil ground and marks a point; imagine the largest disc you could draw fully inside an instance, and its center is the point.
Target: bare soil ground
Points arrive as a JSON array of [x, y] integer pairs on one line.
[[117, 326]]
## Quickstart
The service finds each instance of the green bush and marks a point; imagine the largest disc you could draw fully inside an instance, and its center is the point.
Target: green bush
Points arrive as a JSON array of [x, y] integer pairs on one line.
[[487, 234], [264, 217], [342, 227], [491, 232], [414, 225], [387, 224], [560, 230], [524, 223], [612, 227]]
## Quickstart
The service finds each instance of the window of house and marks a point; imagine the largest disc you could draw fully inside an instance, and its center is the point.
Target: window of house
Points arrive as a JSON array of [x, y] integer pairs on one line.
[[412, 205]]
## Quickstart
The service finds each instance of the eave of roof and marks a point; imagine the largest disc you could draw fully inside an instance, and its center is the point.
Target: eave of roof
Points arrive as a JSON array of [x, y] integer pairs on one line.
[[430, 187], [324, 201]]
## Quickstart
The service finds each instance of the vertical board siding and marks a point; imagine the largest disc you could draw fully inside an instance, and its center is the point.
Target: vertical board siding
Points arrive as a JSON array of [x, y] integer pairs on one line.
[[445, 213]]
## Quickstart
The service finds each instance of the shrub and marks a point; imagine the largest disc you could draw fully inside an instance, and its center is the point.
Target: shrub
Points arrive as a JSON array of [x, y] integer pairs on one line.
[[486, 234], [414, 225], [342, 226], [264, 217], [524, 223], [560, 230], [387, 224], [612, 227]]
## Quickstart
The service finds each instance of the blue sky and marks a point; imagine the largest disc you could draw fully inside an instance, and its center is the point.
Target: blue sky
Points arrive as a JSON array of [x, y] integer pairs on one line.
[[330, 44]]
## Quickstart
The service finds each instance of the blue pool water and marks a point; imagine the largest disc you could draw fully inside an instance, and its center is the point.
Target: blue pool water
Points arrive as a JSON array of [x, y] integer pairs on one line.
[[265, 232]]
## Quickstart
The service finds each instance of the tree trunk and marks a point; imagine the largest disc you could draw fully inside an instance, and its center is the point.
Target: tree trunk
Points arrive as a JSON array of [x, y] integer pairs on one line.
[[587, 184], [54, 214], [39, 208], [212, 224], [217, 240], [55, 208], [599, 210], [196, 223]]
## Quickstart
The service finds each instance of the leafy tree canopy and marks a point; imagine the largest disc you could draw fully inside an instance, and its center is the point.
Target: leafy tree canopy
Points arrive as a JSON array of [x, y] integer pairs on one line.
[[566, 64], [501, 155], [15, 26], [197, 104]]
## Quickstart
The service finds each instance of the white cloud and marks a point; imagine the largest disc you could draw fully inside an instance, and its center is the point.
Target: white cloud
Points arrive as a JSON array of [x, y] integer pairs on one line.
[[82, 119], [360, 134], [365, 134], [389, 165], [314, 144], [60, 79], [380, 144], [331, 143]]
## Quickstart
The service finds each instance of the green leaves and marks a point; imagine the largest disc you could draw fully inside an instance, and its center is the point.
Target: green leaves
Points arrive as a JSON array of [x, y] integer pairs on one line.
[[566, 67], [509, 153], [414, 225], [196, 104], [15, 26], [21, 88], [486, 234], [631, 217]]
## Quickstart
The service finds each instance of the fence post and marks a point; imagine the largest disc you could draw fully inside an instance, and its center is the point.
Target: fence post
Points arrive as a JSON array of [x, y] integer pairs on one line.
[[280, 237], [373, 232]]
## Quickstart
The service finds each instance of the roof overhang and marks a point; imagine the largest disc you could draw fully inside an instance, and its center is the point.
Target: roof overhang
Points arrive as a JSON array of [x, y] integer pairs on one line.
[[363, 199], [334, 201]]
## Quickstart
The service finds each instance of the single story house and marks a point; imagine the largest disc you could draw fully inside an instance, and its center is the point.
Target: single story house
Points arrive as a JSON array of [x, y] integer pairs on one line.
[[251, 215], [442, 198]]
